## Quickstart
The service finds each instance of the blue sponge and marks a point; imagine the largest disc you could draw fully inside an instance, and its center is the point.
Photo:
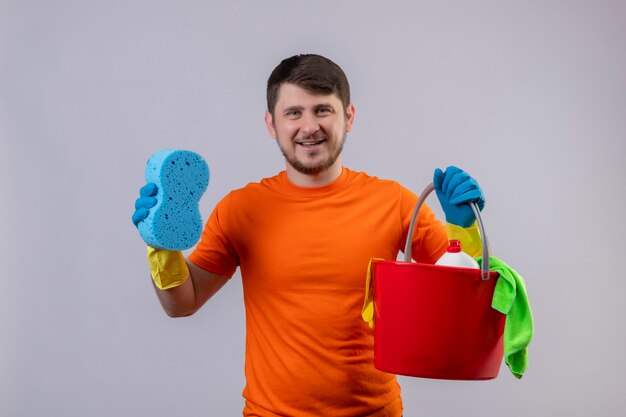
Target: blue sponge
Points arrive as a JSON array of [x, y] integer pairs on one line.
[[175, 222]]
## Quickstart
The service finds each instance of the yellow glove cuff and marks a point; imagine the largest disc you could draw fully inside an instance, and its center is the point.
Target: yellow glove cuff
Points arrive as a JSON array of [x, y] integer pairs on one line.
[[167, 267], [367, 313], [468, 236]]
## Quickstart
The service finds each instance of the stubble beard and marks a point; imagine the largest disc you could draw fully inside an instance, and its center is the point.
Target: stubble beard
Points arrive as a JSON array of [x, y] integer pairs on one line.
[[313, 169]]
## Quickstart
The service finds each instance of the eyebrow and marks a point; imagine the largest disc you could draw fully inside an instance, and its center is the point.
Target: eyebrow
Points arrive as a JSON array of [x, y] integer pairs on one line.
[[300, 108]]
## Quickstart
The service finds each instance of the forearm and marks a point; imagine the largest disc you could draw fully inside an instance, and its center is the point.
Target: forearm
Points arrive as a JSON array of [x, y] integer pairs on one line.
[[178, 301], [185, 299]]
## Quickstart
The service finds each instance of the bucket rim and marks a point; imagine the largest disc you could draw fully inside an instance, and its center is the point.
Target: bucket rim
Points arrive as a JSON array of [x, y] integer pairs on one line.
[[450, 269]]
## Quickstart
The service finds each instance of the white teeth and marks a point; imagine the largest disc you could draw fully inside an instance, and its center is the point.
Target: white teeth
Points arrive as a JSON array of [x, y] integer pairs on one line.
[[310, 143]]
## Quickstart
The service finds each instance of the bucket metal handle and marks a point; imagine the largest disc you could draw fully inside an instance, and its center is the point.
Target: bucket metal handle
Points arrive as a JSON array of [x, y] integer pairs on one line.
[[407, 250]]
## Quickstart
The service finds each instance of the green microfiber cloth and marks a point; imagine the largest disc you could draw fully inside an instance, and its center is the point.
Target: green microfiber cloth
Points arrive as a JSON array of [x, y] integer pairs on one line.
[[510, 298]]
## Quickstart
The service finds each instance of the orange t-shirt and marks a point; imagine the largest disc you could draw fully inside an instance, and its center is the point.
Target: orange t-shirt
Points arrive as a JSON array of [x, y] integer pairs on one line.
[[303, 254]]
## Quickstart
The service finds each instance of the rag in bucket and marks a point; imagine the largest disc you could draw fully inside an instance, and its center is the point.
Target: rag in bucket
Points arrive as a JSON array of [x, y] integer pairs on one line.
[[510, 298]]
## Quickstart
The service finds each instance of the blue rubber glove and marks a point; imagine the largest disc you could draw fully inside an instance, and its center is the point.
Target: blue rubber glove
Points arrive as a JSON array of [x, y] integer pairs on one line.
[[167, 267], [145, 202], [454, 189]]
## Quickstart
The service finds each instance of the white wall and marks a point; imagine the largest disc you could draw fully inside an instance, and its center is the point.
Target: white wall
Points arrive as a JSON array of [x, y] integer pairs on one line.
[[529, 97]]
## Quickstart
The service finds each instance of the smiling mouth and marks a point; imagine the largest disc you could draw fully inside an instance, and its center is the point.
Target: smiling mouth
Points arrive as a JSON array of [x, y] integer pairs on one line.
[[310, 143]]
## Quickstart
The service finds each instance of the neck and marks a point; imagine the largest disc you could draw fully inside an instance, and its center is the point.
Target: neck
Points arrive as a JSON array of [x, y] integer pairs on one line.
[[315, 180]]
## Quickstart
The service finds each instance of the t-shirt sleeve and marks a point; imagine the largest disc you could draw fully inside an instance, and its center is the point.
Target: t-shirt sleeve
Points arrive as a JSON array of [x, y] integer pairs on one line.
[[215, 251], [430, 237]]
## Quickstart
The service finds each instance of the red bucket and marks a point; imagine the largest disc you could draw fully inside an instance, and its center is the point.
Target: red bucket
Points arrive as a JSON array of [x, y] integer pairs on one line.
[[436, 321]]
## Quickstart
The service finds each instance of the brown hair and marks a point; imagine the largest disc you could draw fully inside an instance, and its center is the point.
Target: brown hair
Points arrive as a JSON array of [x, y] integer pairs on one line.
[[314, 73]]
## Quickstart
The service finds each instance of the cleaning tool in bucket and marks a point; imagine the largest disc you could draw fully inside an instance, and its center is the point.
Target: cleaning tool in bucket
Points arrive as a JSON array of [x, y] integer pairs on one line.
[[435, 321], [454, 256]]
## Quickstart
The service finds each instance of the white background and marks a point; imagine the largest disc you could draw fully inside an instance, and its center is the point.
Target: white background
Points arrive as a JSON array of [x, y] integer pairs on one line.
[[528, 96]]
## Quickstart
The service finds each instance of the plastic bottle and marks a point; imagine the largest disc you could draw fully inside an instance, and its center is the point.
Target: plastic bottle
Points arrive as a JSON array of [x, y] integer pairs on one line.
[[454, 256]]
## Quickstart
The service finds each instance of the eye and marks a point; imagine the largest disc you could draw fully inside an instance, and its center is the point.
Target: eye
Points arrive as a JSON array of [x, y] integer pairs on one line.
[[292, 113], [324, 110]]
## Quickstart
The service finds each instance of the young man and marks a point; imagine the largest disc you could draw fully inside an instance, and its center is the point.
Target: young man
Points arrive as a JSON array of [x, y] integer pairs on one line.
[[303, 240]]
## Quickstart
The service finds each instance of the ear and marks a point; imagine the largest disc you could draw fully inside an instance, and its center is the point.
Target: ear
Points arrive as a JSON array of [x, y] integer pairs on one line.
[[269, 123], [350, 117]]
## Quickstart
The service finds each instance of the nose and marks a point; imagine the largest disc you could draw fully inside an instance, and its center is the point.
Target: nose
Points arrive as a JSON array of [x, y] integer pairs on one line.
[[310, 124]]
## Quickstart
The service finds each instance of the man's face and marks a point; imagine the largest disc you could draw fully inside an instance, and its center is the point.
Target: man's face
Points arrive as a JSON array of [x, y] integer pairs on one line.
[[310, 129]]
